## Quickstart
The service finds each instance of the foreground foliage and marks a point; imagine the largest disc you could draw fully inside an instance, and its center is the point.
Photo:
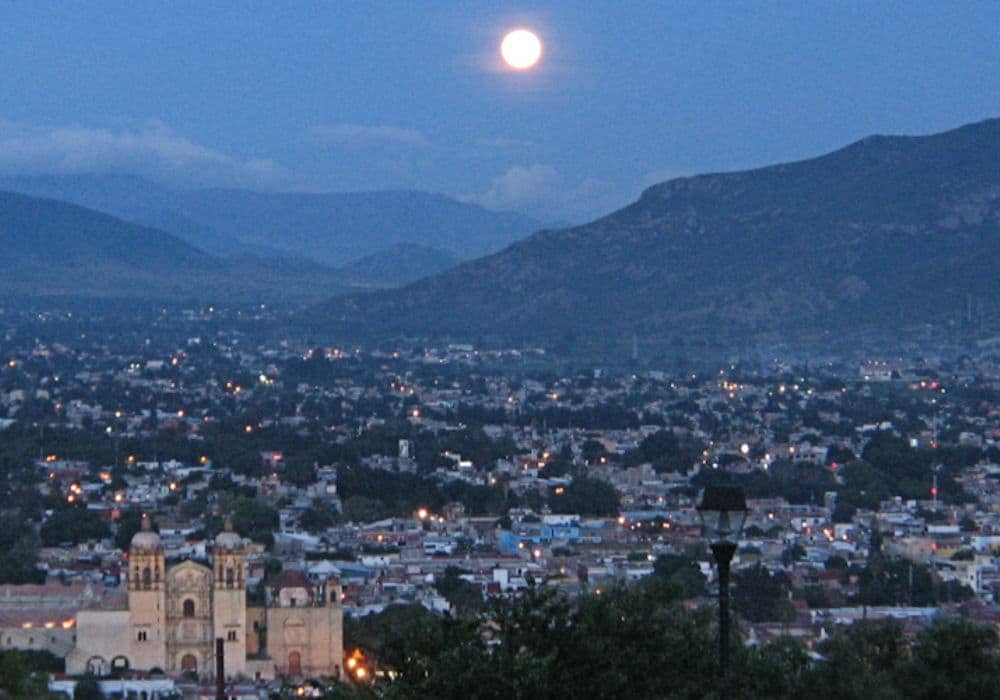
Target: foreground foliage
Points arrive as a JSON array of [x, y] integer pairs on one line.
[[641, 643]]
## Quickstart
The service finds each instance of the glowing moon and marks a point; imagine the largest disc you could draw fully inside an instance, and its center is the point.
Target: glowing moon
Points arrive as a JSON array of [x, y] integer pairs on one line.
[[521, 49]]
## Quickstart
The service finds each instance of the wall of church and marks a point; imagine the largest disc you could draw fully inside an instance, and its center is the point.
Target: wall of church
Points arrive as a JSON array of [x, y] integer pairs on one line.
[[101, 636], [306, 641], [56, 640]]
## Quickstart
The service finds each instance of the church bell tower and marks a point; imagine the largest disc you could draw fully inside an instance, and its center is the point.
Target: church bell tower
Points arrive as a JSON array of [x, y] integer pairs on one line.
[[229, 598], [147, 598]]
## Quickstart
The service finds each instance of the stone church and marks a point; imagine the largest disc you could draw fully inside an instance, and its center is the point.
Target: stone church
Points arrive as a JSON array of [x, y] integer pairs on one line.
[[176, 613]]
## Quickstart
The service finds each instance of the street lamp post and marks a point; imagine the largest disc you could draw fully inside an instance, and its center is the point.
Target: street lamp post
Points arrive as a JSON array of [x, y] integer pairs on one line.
[[723, 512]]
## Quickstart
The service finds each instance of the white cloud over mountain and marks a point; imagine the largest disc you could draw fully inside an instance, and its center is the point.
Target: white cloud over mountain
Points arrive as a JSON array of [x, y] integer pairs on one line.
[[152, 150]]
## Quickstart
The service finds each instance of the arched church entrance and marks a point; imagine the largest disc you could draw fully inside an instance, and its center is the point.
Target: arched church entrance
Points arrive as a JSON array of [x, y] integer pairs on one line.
[[189, 664], [295, 664]]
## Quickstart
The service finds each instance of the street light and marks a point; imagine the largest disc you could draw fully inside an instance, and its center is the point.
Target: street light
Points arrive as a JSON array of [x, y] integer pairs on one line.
[[723, 512]]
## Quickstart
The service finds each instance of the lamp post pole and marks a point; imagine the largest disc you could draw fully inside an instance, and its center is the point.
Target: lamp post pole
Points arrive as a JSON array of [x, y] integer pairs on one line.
[[723, 512], [723, 553]]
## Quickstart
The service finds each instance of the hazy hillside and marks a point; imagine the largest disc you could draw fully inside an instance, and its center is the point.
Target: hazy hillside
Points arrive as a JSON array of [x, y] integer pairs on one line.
[[396, 266], [54, 248], [889, 233], [332, 229], [339, 227]]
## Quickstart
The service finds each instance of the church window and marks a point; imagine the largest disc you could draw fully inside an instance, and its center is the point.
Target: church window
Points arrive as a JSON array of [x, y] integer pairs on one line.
[[147, 576], [141, 636], [188, 608], [229, 576], [231, 635]]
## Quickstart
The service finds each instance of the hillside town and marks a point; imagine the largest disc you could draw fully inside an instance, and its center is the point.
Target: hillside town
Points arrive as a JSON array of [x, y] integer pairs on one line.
[[444, 477]]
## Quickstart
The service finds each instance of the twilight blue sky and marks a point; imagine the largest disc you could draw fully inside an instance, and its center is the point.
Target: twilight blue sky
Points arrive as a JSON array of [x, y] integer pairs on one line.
[[373, 95]]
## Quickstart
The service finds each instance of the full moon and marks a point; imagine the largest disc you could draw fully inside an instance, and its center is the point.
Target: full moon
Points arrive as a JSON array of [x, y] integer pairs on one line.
[[521, 49]]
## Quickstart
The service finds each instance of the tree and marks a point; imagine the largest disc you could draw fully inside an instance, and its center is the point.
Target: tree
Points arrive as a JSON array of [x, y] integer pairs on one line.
[[861, 663], [299, 471], [682, 573], [591, 450], [665, 452], [952, 659], [360, 509], [762, 596], [19, 552], [129, 523], [465, 597], [14, 677], [586, 496], [255, 520], [87, 688], [73, 525], [843, 512], [318, 517]]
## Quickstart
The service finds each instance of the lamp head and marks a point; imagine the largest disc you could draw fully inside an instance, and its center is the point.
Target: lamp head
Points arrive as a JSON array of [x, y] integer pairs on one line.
[[723, 512]]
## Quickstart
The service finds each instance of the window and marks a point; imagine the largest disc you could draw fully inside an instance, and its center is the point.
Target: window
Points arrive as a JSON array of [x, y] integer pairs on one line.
[[147, 577], [231, 635], [141, 636], [188, 608], [230, 577]]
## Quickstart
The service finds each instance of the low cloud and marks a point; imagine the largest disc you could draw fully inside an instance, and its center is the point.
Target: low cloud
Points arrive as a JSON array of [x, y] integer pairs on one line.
[[542, 192], [523, 187], [362, 134], [152, 150]]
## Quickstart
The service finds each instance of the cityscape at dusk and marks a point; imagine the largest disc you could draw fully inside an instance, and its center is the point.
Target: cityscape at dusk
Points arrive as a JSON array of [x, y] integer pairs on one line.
[[356, 350]]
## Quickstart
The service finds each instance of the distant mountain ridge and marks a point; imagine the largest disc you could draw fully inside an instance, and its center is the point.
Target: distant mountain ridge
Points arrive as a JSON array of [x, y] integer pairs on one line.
[[333, 228], [396, 266], [890, 233], [51, 248]]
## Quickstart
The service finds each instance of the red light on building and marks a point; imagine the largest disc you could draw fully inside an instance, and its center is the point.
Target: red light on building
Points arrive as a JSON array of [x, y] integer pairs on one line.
[[934, 491]]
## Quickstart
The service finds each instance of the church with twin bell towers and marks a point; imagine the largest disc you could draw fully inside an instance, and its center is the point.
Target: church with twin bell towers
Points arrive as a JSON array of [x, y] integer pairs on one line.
[[176, 613]]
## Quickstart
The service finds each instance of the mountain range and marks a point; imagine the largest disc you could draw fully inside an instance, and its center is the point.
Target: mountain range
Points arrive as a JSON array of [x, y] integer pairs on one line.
[[332, 229], [51, 248], [891, 235]]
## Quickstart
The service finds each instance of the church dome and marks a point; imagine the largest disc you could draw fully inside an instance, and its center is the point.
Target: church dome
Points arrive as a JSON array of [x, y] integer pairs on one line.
[[145, 539], [227, 539]]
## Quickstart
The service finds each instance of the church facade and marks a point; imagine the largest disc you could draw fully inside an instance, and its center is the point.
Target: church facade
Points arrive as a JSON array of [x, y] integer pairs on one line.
[[176, 613]]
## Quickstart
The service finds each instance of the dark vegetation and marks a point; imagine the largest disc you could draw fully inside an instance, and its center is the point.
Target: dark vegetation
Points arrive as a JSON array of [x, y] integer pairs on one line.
[[638, 642]]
